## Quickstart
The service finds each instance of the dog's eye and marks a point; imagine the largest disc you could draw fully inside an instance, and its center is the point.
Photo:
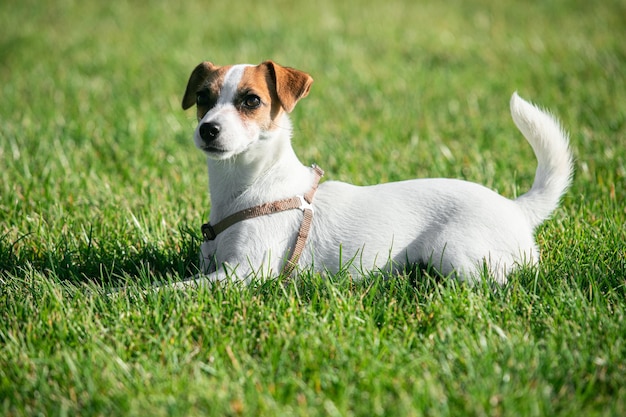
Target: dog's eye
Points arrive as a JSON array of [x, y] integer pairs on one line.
[[202, 99], [251, 101]]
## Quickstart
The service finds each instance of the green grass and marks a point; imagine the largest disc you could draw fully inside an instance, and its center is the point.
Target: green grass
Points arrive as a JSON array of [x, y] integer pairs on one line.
[[100, 185]]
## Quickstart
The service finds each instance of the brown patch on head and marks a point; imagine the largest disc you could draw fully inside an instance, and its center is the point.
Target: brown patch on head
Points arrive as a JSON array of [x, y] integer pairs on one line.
[[291, 85], [277, 88], [268, 89], [255, 83], [203, 87]]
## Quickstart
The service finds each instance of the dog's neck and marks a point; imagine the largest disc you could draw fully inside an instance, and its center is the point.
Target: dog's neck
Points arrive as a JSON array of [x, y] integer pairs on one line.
[[267, 171]]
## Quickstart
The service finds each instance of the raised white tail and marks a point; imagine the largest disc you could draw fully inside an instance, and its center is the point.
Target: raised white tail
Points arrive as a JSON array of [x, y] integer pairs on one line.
[[554, 170]]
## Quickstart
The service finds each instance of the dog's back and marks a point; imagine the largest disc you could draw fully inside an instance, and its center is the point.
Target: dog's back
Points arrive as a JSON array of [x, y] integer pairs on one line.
[[453, 225]]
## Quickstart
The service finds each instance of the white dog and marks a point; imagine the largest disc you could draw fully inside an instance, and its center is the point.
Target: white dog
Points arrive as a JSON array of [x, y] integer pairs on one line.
[[263, 198]]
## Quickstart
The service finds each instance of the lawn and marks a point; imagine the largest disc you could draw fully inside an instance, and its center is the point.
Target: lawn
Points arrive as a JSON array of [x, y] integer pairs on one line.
[[101, 186]]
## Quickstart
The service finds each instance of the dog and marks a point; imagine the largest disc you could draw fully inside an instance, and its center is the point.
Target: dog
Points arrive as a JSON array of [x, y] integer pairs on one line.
[[460, 229]]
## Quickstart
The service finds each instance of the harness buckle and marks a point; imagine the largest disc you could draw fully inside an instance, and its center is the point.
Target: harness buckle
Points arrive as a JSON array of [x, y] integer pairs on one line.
[[208, 232], [305, 205]]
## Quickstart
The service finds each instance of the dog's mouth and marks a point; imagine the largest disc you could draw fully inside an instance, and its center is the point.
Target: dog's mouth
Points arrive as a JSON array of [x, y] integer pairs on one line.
[[213, 149], [215, 152]]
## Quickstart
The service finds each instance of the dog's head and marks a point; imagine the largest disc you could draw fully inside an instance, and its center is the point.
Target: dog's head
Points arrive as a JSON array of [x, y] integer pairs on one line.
[[240, 105]]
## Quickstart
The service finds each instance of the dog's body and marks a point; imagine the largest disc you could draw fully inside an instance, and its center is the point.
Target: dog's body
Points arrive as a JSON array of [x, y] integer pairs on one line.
[[455, 226]]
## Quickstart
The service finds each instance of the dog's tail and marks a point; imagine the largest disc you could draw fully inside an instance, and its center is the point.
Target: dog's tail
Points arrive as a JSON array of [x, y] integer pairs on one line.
[[555, 165]]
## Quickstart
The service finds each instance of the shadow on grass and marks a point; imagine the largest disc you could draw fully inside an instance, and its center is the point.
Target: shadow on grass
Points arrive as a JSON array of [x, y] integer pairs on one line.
[[108, 264]]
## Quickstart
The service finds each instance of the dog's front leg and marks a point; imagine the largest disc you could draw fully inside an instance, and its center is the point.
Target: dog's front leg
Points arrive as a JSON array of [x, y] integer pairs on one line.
[[237, 272], [213, 270], [222, 274], [231, 261]]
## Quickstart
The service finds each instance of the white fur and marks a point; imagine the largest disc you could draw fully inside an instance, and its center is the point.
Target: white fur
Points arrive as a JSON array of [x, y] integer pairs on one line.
[[231, 82], [237, 136], [456, 226]]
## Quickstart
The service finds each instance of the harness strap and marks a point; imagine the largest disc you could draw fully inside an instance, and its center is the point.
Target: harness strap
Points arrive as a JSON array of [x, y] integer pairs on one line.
[[303, 234], [210, 232]]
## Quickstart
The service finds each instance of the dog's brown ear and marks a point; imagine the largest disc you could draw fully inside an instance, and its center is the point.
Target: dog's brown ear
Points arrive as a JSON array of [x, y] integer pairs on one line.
[[197, 77], [291, 84]]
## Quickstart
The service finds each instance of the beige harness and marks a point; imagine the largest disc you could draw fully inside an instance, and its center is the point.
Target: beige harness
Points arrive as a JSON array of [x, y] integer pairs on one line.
[[303, 203]]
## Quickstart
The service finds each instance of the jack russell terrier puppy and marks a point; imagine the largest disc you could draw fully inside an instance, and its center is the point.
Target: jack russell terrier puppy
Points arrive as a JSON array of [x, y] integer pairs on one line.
[[269, 218]]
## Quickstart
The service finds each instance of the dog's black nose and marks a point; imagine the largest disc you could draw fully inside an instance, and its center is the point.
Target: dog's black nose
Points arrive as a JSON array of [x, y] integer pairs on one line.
[[209, 131]]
